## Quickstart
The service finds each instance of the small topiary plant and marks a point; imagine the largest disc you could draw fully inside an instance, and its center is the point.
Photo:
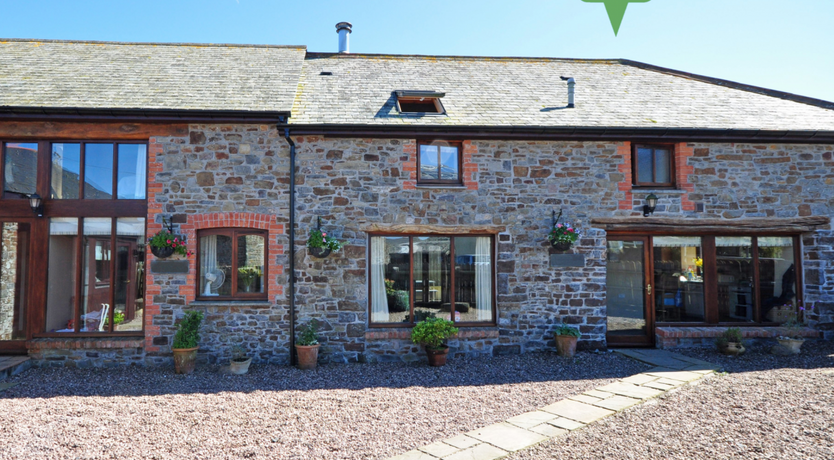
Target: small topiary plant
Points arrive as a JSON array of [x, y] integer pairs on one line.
[[188, 335], [565, 330], [732, 334], [308, 334], [433, 332]]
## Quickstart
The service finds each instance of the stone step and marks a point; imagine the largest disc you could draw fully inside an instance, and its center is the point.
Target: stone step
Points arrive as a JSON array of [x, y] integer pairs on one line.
[[13, 365]]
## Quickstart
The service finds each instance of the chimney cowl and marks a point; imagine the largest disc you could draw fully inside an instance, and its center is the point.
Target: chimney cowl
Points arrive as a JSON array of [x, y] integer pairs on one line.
[[344, 29]]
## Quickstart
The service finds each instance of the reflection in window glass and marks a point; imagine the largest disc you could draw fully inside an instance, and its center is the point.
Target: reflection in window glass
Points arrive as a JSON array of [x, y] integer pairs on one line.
[[428, 162], [644, 165], [61, 278], [432, 276], [98, 171], [131, 177], [66, 171], [448, 163], [661, 166], [216, 265], [130, 273], [389, 279], [95, 286], [14, 257], [473, 279], [678, 279], [625, 282], [777, 278], [734, 263], [20, 171], [250, 263]]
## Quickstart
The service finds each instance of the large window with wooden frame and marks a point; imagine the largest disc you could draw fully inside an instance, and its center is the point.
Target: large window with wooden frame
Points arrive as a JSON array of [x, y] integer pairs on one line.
[[414, 277], [439, 163], [232, 264], [725, 279], [653, 165]]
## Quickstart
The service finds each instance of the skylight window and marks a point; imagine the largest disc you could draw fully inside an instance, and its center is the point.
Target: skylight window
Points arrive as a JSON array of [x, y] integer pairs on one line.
[[420, 102]]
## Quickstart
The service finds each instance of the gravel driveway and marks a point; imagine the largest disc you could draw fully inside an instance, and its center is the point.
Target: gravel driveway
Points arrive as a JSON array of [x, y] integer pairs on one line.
[[766, 407], [358, 411]]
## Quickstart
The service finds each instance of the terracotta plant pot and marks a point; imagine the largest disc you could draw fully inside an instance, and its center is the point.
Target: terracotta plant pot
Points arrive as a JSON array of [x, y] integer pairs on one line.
[[308, 356], [566, 345], [184, 360], [437, 356], [733, 349], [561, 246], [240, 367], [319, 253], [162, 253], [791, 344]]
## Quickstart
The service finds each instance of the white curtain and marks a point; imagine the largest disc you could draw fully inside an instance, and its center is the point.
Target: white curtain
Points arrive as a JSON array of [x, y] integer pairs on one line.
[[208, 258], [483, 278], [434, 266], [379, 302]]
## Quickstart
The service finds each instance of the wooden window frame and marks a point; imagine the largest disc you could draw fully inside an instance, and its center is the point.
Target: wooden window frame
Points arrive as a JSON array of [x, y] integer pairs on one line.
[[438, 106], [635, 167], [411, 236], [710, 275], [440, 143], [234, 233]]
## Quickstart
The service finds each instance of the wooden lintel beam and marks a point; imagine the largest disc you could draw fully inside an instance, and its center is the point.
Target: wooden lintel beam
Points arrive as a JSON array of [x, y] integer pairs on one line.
[[90, 130], [681, 225]]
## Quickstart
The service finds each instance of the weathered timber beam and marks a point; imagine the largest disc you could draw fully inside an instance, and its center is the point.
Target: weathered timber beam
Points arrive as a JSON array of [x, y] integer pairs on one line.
[[681, 225], [98, 131]]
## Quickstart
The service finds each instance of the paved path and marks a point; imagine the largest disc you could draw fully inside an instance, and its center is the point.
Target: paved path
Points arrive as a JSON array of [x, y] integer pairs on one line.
[[499, 440], [12, 365]]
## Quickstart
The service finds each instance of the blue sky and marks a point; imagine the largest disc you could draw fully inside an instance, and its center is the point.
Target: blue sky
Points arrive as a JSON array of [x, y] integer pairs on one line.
[[786, 45]]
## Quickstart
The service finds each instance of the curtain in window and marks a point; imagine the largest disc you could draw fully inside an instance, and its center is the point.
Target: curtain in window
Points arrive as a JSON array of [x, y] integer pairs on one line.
[[483, 278], [379, 302], [434, 266], [208, 259], [139, 187]]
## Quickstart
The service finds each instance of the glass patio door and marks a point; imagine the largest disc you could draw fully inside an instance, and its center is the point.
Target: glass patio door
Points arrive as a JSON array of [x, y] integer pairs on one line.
[[14, 285], [630, 322]]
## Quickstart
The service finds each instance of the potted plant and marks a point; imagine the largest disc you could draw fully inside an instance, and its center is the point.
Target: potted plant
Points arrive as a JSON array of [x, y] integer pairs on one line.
[[164, 244], [566, 338], [397, 299], [247, 277], [307, 345], [239, 364], [432, 334], [186, 342], [792, 338], [562, 236], [320, 245], [730, 342]]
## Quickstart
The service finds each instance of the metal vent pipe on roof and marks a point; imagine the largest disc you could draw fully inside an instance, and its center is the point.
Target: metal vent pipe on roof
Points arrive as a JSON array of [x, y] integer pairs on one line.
[[344, 29], [571, 90]]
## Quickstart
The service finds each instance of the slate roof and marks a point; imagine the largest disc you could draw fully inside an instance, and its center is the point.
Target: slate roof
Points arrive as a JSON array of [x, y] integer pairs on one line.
[[148, 76], [527, 92]]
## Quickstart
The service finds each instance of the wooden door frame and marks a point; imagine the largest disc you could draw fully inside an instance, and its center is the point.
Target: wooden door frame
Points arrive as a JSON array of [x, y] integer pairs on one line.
[[647, 340], [19, 346]]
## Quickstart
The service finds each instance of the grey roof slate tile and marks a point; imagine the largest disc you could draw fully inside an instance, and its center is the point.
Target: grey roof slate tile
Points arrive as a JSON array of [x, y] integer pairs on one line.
[[107, 75], [504, 92]]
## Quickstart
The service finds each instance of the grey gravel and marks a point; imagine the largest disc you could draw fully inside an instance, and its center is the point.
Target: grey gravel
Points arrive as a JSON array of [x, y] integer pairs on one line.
[[340, 411], [764, 407]]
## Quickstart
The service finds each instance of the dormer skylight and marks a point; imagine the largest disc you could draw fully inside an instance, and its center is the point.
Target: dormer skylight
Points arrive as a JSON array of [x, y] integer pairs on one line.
[[420, 102]]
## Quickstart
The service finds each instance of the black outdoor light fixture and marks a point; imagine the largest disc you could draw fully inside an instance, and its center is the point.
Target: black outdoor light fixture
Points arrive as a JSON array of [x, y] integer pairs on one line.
[[651, 204], [36, 204]]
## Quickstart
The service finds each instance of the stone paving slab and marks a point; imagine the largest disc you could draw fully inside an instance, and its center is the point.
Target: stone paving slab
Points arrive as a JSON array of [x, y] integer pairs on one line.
[[554, 420]]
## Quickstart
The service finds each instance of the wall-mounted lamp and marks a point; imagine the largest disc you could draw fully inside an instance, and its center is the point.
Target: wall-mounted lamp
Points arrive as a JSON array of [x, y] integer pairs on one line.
[[36, 204], [651, 204]]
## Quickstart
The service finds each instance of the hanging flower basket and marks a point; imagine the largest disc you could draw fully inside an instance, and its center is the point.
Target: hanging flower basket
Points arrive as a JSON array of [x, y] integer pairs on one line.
[[561, 245], [163, 252], [320, 253], [562, 236], [320, 245], [165, 243]]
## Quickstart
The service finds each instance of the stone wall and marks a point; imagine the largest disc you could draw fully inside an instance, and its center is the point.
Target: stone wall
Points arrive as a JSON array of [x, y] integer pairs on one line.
[[8, 278]]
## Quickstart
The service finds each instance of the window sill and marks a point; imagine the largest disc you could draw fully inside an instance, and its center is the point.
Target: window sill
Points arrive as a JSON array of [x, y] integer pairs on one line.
[[669, 191], [231, 303], [466, 332], [443, 186]]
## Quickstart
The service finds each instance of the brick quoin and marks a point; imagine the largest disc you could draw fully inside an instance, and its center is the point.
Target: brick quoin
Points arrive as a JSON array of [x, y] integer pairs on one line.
[[625, 167]]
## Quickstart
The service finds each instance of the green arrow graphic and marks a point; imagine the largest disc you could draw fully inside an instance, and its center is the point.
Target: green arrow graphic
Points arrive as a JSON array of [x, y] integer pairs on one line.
[[616, 10]]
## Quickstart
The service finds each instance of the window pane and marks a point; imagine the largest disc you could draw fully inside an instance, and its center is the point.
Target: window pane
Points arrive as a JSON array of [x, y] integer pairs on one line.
[[449, 163], [95, 285], [216, 265], [130, 272], [98, 171], [777, 278], [644, 165], [66, 171], [389, 279], [661, 166], [61, 282], [625, 281], [428, 162], [250, 263], [678, 279], [20, 172], [432, 276], [131, 178], [734, 261], [473, 279], [14, 259]]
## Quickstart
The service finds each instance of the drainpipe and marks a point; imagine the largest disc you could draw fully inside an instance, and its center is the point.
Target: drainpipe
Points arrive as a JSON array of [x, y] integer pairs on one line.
[[571, 90], [292, 243]]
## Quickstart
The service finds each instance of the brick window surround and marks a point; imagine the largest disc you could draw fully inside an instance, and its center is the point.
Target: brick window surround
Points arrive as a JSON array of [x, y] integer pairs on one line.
[[467, 167], [682, 153]]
